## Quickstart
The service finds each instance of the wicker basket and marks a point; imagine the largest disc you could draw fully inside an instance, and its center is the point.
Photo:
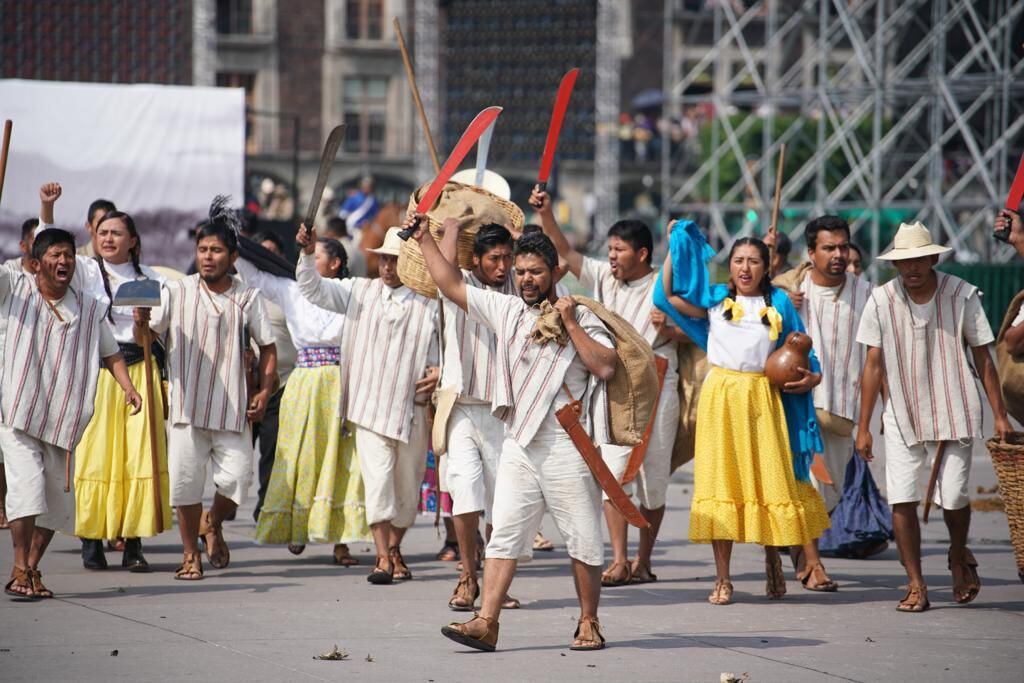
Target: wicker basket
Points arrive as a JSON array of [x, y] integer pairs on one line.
[[1008, 460], [411, 267]]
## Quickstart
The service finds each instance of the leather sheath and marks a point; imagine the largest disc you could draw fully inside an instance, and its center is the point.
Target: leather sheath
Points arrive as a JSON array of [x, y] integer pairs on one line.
[[569, 417], [639, 452]]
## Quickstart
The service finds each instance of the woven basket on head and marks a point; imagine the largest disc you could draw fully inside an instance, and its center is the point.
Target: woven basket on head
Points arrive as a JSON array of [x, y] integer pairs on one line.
[[456, 201], [1008, 459]]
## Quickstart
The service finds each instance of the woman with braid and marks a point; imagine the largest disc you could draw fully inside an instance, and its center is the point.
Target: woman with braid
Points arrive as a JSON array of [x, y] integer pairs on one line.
[[754, 443], [114, 495]]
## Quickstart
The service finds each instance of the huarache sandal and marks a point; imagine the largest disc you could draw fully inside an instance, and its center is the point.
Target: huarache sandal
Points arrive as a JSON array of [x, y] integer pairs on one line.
[[217, 551], [343, 557], [594, 642], [20, 585], [775, 585], [541, 543], [36, 578], [510, 603], [449, 551], [966, 582], [640, 572], [721, 594], [401, 571], [916, 600], [191, 568], [612, 577], [465, 595], [381, 577], [472, 637], [825, 585]]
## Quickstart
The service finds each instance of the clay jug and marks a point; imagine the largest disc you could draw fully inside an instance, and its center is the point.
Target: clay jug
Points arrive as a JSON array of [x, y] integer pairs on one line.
[[783, 364]]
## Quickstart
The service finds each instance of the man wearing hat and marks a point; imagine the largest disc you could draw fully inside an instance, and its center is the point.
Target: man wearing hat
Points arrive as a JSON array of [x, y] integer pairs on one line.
[[918, 328], [388, 370]]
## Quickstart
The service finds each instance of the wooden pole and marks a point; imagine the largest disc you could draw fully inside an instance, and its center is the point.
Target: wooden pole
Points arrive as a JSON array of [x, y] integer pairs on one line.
[[773, 228], [152, 426], [8, 125], [416, 95]]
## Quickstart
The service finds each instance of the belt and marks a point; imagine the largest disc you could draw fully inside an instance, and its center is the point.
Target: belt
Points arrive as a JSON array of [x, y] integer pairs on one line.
[[317, 356]]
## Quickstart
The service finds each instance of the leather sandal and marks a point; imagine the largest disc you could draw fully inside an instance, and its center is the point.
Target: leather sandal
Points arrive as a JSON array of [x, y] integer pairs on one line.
[[775, 585], [20, 586], [343, 557], [640, 572], [465, 595], [721, 594], [217, 551], [510, 603], [460, 634], [191, 568], [380, 576], [400, 571], [826, 586], [36, 578], [449, 552], [542, 544], [966, 582], [596, 640], [609, 578], [916, 600]]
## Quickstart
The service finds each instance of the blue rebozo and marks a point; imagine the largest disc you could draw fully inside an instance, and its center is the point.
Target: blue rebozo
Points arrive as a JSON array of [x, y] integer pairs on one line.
[[692, 282]]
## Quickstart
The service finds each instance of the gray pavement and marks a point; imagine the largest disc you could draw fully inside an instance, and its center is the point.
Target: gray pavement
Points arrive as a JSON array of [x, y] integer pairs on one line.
[[267, 615]]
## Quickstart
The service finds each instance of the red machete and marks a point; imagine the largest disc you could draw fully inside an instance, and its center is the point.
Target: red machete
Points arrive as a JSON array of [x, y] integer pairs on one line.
[[1013, 199], [476, 128], [555, 127]]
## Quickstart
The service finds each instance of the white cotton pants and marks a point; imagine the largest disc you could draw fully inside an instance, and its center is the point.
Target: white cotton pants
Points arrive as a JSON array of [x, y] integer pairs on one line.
[[551, 473], [393, 472], [838, 451], [651, 483], [907, 468], [189, 451], [474, 448], [36, 476]]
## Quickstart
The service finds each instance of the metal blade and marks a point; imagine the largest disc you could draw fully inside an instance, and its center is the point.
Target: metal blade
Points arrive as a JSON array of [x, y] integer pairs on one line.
[[326, 161], [555, 127], [483, 147], [143, 293]]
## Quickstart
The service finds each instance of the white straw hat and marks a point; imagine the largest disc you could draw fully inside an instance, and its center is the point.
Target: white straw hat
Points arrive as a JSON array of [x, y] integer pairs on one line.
[[392, 243], [492, 182], [912, 241]]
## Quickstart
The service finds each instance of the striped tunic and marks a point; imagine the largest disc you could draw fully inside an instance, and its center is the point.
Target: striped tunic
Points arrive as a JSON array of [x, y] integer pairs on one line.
[[205, 351], [832, 319], [469, 348], [50, 366], [933, 389], [529, 376], [388, 341]]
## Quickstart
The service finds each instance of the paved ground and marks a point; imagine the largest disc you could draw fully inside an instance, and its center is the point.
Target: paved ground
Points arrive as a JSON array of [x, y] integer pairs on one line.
[[269, 613]]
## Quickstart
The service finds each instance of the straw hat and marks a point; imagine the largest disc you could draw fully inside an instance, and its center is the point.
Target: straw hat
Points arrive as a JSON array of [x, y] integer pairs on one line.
[[492, 182], [169, 273], [912, 241], [392, 243]]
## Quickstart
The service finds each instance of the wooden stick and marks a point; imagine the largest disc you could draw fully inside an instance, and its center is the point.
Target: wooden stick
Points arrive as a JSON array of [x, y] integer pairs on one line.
[[416, 96], [152, 426], [8, 125], [773, 228], [933, 479]]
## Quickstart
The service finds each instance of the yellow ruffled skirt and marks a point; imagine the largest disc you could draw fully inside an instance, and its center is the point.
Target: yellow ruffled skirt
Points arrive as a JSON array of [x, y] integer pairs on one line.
[[114, 494], [744, 488], [315, 493]]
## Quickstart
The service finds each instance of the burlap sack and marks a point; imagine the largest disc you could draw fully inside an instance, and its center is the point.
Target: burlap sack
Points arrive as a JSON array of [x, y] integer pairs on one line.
[[693, 368], [1011, 368], [834, 424]]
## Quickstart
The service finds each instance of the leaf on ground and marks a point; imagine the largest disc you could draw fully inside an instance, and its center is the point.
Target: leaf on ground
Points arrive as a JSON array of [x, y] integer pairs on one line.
[[334, 655]]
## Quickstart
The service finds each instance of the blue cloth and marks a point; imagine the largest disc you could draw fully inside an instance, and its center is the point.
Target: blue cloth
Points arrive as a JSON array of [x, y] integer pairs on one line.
[[359, 208], [862, 518], [692, 282]]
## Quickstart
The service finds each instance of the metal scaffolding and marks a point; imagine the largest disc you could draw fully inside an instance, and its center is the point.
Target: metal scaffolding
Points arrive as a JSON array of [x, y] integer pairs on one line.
[[887, 109]]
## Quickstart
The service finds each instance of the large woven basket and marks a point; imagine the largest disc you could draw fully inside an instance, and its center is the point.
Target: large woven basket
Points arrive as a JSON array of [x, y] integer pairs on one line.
[[1008, 460], [411, 268]]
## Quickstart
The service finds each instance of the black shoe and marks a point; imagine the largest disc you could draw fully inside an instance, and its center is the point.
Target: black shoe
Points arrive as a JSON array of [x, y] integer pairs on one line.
[[92, 554], [133, 559]]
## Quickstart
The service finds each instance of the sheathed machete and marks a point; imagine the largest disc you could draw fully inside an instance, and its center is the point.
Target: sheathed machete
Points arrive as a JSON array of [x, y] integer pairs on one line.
[[1013, 199], [473, 132], [326, 161], [555, 127]]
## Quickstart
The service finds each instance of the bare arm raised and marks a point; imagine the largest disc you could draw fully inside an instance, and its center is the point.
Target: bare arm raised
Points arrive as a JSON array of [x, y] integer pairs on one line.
[[445, 274], [541, 201]]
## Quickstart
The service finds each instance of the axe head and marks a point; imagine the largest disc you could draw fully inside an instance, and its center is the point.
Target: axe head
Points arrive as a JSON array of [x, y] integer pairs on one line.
[[144, 293]]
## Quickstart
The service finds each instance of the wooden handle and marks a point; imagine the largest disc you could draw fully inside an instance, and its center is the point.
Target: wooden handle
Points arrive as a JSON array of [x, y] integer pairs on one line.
[[416, 95], [152, 426], [8, 126]]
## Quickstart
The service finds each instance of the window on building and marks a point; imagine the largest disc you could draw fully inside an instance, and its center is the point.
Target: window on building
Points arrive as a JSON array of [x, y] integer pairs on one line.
[[365, 105], [234, 17], [248, 82], [364, 19]]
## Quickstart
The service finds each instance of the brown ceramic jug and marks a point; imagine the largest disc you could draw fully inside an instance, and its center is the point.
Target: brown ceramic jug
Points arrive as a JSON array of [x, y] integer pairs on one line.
[[783, 364]]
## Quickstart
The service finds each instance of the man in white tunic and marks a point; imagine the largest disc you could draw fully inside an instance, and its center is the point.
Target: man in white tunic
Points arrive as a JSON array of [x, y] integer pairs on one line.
[[539, 466], [52, 338], [919, 328], [624, 284], [390, 339]]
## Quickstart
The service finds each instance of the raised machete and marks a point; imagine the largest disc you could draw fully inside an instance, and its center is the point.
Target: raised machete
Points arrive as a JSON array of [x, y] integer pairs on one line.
[[555, 127]]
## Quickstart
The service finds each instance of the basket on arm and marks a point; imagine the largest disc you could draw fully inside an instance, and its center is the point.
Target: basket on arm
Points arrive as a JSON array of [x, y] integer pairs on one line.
[[1008, 460], [462, 202]]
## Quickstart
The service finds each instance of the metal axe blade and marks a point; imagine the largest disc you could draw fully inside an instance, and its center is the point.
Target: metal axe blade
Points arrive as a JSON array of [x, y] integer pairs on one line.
[[143, 293]]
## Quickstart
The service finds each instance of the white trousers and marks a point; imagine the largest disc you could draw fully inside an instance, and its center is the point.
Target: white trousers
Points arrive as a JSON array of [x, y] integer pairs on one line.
[[907, 469], [838, 451], [36, 475], [393, 472], [190, 449], [651, 483], [474, 448], [549, 472]]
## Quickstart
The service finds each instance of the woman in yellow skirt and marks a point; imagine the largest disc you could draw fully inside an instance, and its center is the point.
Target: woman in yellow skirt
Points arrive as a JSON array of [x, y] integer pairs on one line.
[[315, 494], [753, 443], [114, 489]]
